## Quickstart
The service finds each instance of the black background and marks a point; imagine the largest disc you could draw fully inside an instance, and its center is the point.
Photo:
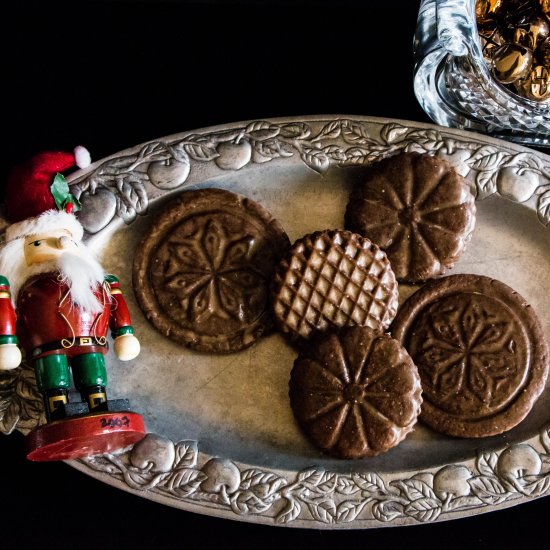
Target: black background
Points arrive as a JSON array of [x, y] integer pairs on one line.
[[113, 75]]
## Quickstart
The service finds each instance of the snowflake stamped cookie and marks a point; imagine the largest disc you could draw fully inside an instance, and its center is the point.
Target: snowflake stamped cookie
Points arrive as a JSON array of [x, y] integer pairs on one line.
[[202, 273]]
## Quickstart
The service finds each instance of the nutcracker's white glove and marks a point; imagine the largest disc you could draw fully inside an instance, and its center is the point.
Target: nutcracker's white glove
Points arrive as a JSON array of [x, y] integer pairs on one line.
[[126, 347], [10, 356]]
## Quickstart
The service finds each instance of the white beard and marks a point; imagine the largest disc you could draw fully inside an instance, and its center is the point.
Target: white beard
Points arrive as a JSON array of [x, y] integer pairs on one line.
[[79, 270]]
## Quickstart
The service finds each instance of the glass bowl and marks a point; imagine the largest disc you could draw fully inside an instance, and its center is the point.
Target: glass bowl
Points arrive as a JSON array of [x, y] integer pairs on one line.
[[454, 85]]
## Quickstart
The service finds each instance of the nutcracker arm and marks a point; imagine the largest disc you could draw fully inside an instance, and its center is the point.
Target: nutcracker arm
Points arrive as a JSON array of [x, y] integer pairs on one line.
[[10, 355], [126, 345]]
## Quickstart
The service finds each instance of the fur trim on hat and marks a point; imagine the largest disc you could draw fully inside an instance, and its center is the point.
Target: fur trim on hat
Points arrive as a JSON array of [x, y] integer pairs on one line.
[[48, 221]]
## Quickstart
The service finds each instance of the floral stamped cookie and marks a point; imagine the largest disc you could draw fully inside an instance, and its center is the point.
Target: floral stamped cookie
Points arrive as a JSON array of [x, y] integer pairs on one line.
[[202, 274], [480, 351], [418, 210], [355, 392]]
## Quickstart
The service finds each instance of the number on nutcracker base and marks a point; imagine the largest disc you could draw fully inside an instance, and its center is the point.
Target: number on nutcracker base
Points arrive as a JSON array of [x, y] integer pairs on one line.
[[96, 433]]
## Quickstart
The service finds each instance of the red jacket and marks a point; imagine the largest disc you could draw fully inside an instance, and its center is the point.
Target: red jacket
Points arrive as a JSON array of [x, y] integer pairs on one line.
[[48, 322]]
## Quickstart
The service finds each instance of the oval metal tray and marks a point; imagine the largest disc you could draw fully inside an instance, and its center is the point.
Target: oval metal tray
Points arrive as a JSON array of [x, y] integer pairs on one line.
[[226, 443]]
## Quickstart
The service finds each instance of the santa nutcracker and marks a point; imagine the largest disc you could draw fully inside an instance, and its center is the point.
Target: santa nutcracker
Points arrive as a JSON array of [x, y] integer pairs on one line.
[[61, 307]]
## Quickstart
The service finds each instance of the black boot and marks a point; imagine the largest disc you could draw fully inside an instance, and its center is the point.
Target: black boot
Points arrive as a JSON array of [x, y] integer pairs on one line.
[[96, 397], [54, 403]]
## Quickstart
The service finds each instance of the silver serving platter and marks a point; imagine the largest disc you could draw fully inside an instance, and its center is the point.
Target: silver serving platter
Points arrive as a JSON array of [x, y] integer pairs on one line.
[[223, 440]]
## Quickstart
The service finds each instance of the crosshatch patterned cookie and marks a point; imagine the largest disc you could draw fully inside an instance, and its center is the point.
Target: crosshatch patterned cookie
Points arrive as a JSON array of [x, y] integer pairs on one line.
[[333, 279], [418, 210], [480, 351], [355, 392], [202, 273]]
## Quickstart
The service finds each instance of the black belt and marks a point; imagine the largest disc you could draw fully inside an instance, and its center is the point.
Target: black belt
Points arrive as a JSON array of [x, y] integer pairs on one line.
[[58, 344]]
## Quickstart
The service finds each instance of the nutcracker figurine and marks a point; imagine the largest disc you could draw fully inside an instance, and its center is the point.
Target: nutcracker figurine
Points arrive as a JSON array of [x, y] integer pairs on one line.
[[60, 307]]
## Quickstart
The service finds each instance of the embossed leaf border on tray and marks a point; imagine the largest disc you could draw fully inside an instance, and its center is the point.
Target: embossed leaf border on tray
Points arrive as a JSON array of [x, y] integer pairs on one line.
[[178, 473], [340, 142]]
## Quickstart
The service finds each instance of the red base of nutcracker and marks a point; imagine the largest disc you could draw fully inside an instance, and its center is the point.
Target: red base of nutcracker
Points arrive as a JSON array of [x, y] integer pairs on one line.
[[90, 434]]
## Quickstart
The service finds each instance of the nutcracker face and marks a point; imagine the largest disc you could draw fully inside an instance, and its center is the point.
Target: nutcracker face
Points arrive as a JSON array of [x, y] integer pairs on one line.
[[48, 246]]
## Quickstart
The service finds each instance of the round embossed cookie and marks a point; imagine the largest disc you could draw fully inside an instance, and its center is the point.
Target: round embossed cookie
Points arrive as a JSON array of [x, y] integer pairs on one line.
[[355, 392], [417, 209], [480, 351], [202, 273], [333, 279]]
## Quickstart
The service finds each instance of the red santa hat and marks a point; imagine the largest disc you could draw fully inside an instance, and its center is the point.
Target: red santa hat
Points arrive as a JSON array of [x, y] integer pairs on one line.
[[29, 199]]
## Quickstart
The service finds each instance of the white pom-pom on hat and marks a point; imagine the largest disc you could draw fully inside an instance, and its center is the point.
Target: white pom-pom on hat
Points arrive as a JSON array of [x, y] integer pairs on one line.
[[82, 156]]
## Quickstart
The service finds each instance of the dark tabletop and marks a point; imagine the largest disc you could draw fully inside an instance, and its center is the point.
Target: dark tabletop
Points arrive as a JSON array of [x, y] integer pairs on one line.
[[113, 75]]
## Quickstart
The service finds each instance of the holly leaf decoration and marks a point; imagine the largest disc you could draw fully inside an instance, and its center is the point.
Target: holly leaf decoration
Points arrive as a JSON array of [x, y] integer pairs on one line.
[[62, 196], [60, 190]]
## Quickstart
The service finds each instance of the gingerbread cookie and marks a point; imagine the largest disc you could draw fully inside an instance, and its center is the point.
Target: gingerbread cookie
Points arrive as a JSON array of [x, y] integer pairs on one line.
[[480, 352], [355, 392], [202, 273], [333, 279], [418, 210]]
